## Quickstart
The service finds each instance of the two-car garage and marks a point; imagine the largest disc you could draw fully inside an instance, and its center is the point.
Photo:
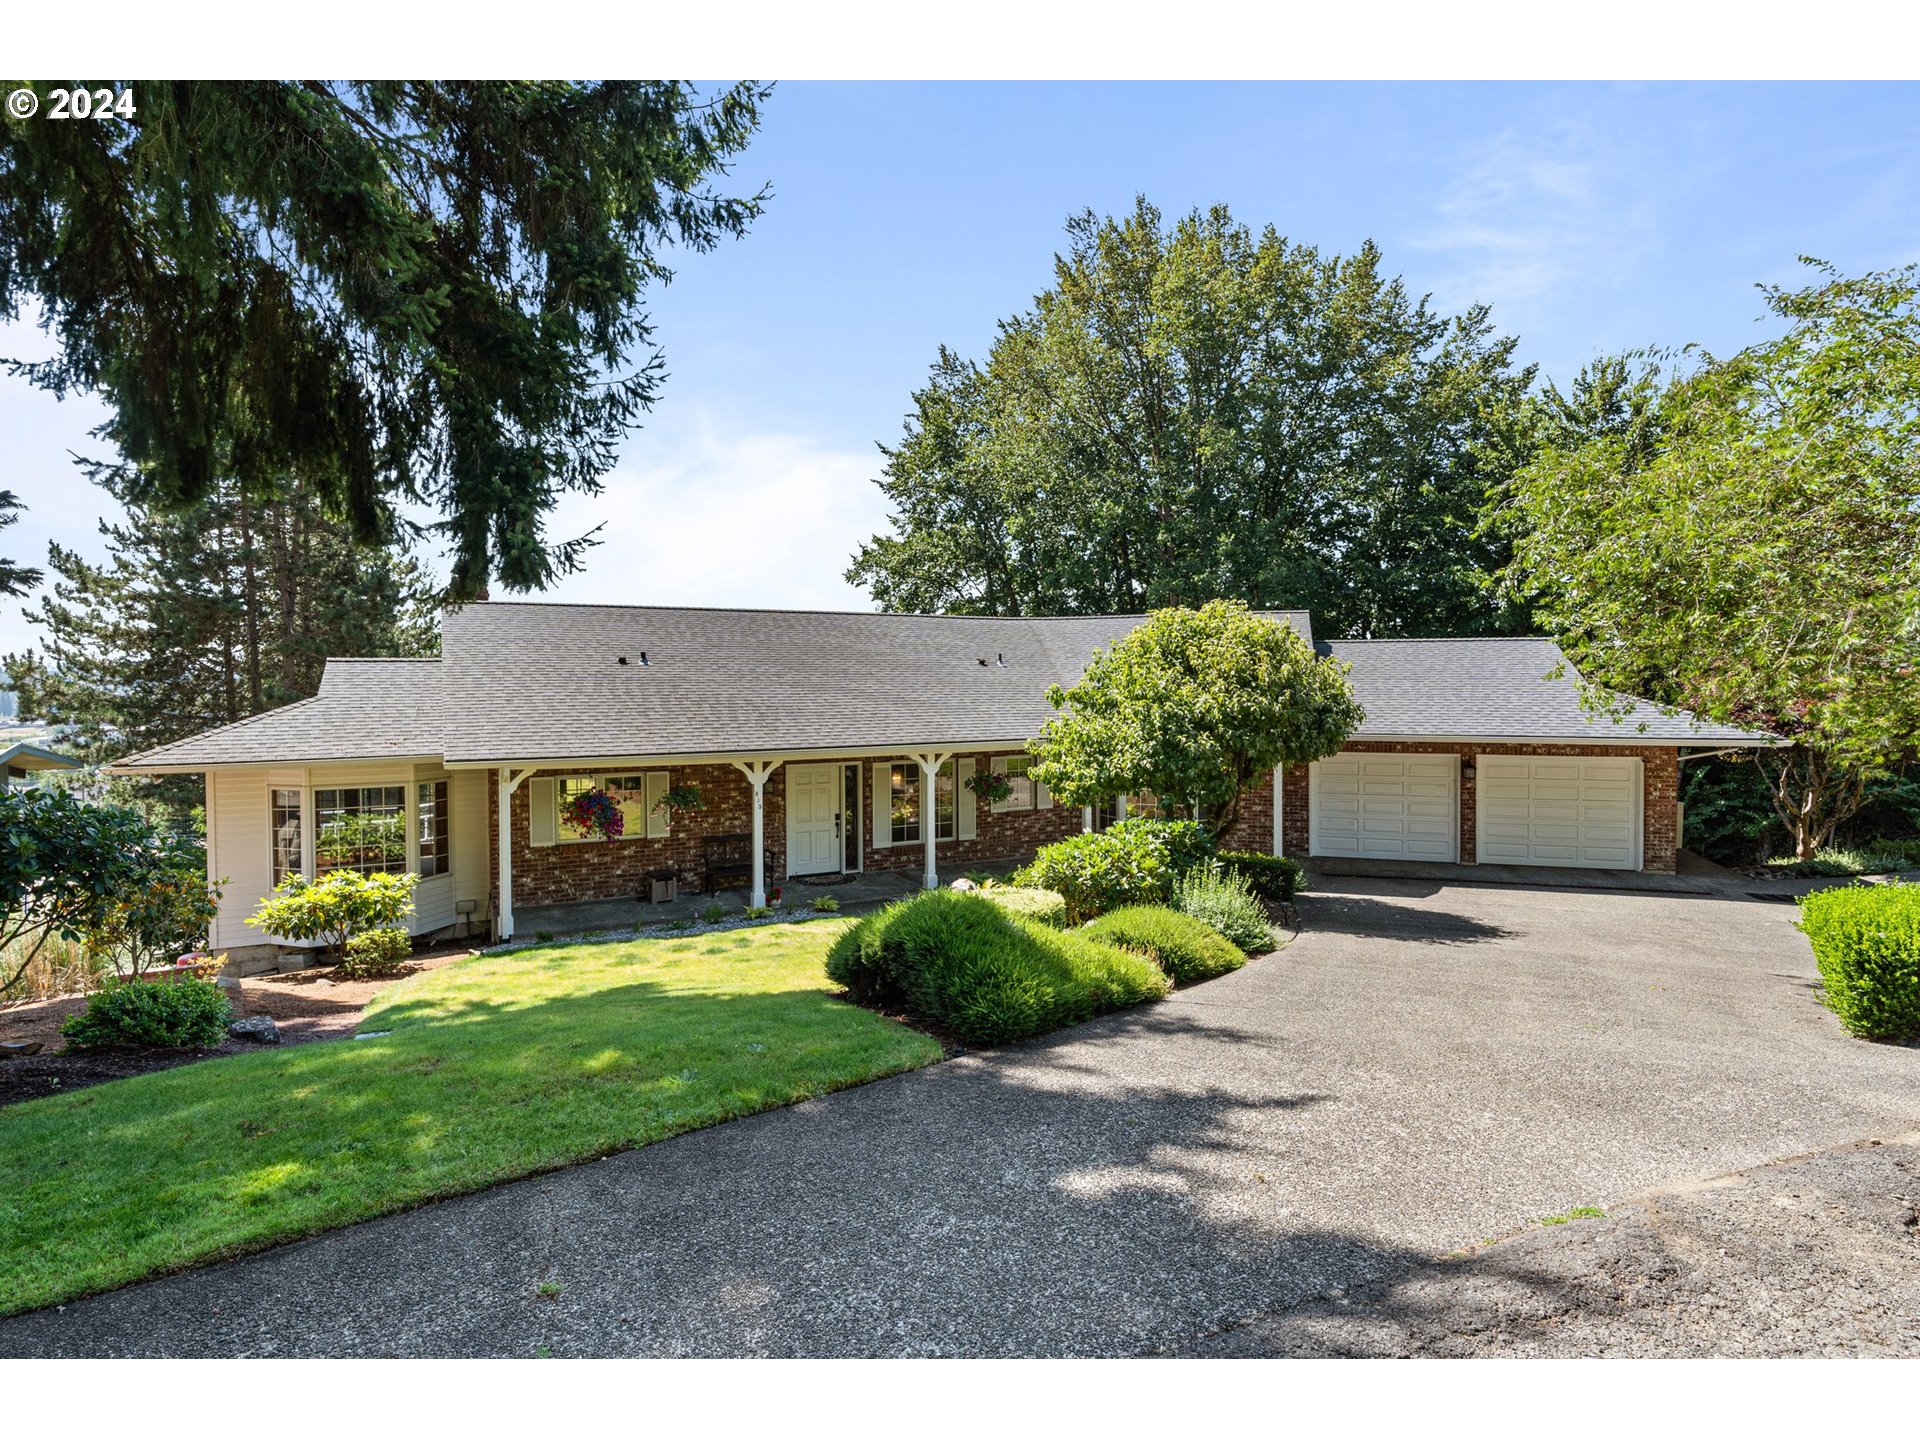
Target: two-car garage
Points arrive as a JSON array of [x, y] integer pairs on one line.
[[1560, 810]]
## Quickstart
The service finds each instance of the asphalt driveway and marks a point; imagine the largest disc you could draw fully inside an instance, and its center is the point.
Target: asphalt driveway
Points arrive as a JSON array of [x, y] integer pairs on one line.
[[1425, 1067]]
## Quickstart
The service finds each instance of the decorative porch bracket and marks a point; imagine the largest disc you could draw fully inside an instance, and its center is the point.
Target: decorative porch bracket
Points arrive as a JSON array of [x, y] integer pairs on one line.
[[757, 772], [930, 762], [509, 782]]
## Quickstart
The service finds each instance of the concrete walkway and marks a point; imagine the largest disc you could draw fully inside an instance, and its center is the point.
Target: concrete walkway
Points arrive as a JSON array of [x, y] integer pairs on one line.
[[1426, 1066]]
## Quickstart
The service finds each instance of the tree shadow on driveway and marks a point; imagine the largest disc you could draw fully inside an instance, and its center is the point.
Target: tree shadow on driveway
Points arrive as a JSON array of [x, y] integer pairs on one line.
[[1384, 920]]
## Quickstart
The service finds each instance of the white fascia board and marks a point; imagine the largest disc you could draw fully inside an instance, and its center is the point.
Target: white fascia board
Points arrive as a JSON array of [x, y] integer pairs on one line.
[[1650, 741], [729, 757]]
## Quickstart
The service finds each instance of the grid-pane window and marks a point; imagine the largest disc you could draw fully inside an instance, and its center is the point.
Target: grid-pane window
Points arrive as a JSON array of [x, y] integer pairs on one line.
[[630, 793], [906, 803], [286, 835], [1019, 783], [360, 828], [567, 789], [430, 816]]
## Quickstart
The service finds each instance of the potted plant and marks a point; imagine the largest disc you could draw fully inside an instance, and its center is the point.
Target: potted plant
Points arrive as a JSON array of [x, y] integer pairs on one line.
[[680, 800], [989, 787], [594, 812]]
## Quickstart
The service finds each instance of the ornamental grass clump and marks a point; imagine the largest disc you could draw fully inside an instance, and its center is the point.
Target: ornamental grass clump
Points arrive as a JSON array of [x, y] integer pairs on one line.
[[1866, 939], [1189, 950], [1225, 900], [966, 966]]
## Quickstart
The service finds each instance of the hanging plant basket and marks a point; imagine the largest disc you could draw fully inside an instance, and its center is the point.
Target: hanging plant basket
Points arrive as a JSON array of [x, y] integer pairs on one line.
[[989, 787], [681, 800], [594, 812]]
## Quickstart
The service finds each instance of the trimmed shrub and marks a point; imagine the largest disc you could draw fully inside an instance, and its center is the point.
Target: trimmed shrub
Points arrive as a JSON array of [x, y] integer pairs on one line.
[[964, 964], [336, 907], [177, 1014], [1867, 941], [1225, 900], [1273, 877], [1134, 862], [1187, 949], [1049, 907], [377, 954]]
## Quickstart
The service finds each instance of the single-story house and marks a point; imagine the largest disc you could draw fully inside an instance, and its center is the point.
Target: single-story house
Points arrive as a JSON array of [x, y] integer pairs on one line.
[[23, 762], [844, 742]]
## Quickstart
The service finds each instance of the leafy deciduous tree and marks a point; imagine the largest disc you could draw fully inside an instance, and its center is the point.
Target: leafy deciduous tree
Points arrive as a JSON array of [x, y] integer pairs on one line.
[[1195, 706], [1759, 561], [1197, 412]]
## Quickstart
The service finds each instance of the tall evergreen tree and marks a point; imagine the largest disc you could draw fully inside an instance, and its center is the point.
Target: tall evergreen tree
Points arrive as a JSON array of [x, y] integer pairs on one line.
[[400, 291], [15, 579], [205, 617], [1197, 412]]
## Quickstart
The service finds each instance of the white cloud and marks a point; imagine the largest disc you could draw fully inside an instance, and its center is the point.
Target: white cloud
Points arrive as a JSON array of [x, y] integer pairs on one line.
[[726, 518], [1538, 209]]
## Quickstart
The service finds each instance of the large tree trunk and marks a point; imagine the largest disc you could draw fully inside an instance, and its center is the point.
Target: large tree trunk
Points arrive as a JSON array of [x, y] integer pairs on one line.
[[1812, 795]]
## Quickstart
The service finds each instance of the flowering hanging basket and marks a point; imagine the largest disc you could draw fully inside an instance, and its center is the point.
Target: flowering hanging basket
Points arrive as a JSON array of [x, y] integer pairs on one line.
[[594, 812], [989, 786]]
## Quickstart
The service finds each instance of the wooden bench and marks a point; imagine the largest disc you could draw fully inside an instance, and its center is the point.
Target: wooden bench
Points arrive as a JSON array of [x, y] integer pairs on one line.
[[729, 861]]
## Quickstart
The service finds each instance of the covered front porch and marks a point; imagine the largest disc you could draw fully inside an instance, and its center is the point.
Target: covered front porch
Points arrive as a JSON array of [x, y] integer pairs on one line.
[[856, 893]]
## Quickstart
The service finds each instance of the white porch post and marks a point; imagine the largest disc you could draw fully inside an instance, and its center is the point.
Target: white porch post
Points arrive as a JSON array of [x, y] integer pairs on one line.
[[509, 782], [757, 772], [930, 762], [1279, 793], [1086, 819]]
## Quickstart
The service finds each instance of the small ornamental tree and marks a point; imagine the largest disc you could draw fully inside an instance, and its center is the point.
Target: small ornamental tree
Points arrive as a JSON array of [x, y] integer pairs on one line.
[[154, 923], [64, 865], [1195, 706], [336, 907], [1752, 554]]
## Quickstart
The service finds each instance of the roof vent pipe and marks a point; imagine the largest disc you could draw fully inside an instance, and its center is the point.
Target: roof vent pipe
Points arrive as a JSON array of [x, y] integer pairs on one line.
[[1001, 661]]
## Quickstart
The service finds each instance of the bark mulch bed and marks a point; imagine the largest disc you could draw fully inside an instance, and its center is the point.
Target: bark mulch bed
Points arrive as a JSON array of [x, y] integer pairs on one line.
[[306, 1005]]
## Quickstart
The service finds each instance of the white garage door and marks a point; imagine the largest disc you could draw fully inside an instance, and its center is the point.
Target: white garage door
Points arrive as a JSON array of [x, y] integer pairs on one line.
[[1386, 807], [1539, 810]]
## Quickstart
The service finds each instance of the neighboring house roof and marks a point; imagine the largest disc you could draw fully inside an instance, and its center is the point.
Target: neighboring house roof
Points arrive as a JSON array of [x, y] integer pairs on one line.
[[27, 756], [1415, 689], [523, 682]]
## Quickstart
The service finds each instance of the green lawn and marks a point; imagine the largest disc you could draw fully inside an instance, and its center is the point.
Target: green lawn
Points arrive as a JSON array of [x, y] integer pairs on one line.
[[497, 1066]]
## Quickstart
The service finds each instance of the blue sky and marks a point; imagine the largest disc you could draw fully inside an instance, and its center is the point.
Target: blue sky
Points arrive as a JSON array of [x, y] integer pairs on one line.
[[1591, 218]]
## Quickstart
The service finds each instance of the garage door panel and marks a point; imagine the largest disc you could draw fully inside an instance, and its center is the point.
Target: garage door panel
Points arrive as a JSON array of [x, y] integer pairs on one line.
[[1383, 806], [1577, 812]]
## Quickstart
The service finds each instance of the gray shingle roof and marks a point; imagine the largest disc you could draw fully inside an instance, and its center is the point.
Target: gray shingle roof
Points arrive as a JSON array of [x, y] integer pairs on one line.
[[1499, 689], [544, 682]]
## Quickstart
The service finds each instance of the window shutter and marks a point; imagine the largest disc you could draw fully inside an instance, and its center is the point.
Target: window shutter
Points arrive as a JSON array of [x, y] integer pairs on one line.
[[1042, 797], [964, 801], [658, 821], [999, 764], [882, 805], [541, 812]]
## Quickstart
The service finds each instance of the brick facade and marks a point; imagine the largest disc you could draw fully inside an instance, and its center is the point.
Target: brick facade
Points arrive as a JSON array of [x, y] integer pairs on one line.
[[603, 870], [1660, 772], [613, 869]]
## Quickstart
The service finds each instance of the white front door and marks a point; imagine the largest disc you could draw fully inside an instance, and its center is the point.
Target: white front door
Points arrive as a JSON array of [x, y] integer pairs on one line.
[[1385, 807], [813, 820], [1574, 810]]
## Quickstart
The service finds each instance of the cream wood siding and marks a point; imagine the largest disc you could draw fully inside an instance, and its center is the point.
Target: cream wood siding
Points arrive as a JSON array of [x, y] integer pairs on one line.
[[472, 838], [238, 851]]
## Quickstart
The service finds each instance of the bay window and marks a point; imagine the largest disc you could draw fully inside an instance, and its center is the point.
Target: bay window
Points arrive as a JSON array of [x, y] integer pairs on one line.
[[361, 828], [288, 836], [430, 827]]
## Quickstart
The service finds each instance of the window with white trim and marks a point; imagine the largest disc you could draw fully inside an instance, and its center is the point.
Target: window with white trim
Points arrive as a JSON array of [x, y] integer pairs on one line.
[[361, 828], [1022, 792], [432, 829], [905, 807], [288, 835], [639, 817], [567, 789]]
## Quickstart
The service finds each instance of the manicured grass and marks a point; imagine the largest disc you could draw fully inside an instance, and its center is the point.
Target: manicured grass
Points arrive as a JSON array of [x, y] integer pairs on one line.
[[497, 1067]]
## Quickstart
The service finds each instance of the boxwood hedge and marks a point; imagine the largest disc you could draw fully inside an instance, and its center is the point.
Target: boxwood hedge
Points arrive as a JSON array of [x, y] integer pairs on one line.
[[1189, 950], [1866, 939], [982, 973]]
